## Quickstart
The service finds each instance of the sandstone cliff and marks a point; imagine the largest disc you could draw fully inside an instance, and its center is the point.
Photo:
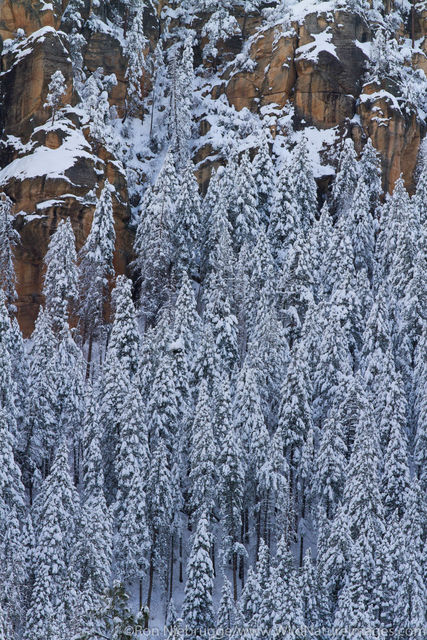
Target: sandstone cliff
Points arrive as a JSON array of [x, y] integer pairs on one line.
[[306, 72]]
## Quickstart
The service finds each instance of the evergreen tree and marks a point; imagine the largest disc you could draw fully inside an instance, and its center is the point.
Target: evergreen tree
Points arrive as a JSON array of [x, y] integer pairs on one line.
[[420, 196], [53, 594], [124, 339], [13, 575], [61, 278], [331, 465], [231, 486], [96, 264], [8, 240], [411, 593], [305, 186], [163, 405], [295, 415], [226, 614], [347, 177], [159, 512], [56, 90], [187, 324], [186, 232], [396, 471], [219, 28], [296, 289], [136, 44], [284, 222], [334, 555], [203, 457], [132, 537], [319, 245], [361, 229], [93, 554], [153, 241], [42, 419], [245, 207], [286, 595], [220, 316], [197, 608], [268, 353], [182, 85], [264, 175], [370, 170]]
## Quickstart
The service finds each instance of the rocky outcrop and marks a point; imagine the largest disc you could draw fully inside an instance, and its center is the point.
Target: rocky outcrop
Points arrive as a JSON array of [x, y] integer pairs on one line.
[[28, 15], [25, 79], [396, 134], [315, 64]]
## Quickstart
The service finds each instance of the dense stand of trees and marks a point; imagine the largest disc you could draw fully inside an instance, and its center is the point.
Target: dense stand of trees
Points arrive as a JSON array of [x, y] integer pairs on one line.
[[254, 419], [236, 438]]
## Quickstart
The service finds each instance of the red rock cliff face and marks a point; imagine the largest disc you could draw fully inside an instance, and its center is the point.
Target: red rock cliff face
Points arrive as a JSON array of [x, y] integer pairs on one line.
[[325, 85]]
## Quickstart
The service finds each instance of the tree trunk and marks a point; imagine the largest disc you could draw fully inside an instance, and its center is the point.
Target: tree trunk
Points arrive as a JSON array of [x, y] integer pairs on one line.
[[181, 579], [235, 576], [171, 568], [89, 355], [151, 577], [213, 558], [140, 593], [301, 551]]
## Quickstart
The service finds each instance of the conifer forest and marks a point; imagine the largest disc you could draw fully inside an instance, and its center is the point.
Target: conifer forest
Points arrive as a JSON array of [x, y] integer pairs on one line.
[[213, 319]]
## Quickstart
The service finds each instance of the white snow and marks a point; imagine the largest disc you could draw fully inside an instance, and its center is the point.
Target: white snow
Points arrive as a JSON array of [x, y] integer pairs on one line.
[[311, 50], [51, 163]]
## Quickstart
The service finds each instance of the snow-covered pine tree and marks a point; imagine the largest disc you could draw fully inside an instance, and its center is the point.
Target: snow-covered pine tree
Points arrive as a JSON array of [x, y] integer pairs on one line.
[[132, 541], [124, 339], [187, 323], [56, 90], [186, 227], [268, 354], [220, 316], [333, 558], [396, 479], [95, 265], [181, 74], [245, 208], [153, 241], [411, 593], [305, 192], [346, 179], [360, 227], [8, 390], [226, 614], [8, 239], [60, 287], [162, 410], [197, 608], [218, 29], [54, 592], [286, 595], [136, 45], [93, 555], [296, 288], [203, 457], [264, 175], [231, 488], [13, 574], [160, 513], [111, 392], [331, 465], [284, 222], [41, 406], [295, 417], [370, 171]]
